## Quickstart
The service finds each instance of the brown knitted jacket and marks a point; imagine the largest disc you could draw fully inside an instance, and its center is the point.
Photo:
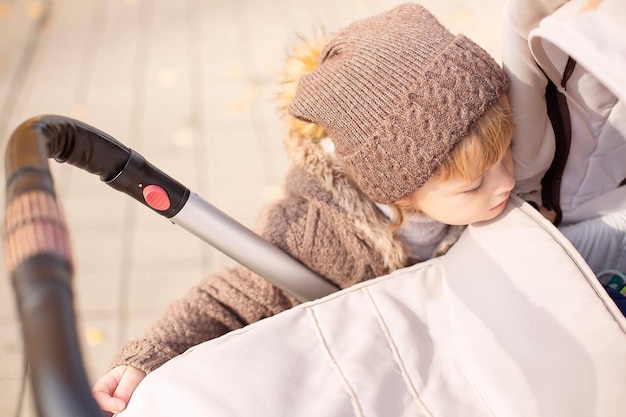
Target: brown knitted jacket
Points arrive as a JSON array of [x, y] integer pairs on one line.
[[324, 221]]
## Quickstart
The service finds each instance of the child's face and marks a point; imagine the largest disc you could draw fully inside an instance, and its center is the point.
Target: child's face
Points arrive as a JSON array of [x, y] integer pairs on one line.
[[457, 201]]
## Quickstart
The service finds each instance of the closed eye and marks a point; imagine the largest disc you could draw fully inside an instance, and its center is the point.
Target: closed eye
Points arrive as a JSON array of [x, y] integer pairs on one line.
[[477, 188]]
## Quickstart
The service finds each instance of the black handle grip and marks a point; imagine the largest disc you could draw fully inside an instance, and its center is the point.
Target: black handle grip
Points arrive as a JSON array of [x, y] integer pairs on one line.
[[83, 146]]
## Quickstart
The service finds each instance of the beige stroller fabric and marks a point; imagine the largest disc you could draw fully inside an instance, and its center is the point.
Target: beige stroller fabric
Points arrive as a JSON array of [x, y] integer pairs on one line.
[[510, 322]]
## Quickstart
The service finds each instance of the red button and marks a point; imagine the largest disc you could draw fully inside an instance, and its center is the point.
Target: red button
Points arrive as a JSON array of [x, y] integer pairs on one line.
[[156, 197]]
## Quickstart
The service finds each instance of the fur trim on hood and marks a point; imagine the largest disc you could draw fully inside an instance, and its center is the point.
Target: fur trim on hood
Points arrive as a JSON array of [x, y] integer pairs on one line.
[[308, 145]]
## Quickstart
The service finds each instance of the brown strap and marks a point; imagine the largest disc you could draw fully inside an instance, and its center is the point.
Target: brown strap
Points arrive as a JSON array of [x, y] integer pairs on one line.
[[558, 113]]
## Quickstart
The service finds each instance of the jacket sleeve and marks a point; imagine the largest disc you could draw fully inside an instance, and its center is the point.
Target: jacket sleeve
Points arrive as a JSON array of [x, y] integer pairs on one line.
[[601, 241], [225, 300], [533, 138]]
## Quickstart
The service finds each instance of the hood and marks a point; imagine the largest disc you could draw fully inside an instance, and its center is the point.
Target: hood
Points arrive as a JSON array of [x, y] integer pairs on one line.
[[592, 33]]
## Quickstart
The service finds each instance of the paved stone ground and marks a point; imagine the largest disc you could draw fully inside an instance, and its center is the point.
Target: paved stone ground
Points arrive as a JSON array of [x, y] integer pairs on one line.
[[189, 85]]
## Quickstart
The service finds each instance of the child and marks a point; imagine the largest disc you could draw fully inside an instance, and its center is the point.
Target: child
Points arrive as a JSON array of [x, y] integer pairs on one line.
[[399, 129]]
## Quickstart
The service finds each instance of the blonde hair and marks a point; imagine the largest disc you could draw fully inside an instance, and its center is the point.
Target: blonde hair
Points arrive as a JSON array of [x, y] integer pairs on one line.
[[488, 140], [486, 143]]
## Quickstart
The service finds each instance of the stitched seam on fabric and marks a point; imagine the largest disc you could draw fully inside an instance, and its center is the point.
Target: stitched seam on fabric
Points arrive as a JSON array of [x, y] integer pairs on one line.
[[469, 379], [396, 356], [351, 393], [617, 317]]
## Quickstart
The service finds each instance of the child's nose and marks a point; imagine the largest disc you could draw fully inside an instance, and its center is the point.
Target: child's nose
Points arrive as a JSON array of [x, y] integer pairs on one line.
[[506, 181]]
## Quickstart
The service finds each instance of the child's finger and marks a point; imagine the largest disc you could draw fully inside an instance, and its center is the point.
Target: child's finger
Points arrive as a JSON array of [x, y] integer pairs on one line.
[[108, 403]]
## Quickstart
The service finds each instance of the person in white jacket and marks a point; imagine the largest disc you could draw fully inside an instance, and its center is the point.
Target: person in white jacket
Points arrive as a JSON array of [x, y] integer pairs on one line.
[[581, 41]]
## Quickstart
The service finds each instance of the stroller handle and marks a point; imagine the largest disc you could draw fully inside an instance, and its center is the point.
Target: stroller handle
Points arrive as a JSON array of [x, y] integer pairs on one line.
[[38, 253], [38, 259]]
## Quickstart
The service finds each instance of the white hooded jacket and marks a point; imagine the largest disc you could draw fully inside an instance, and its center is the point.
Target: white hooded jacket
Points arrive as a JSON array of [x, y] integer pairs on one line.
[[540, 36]]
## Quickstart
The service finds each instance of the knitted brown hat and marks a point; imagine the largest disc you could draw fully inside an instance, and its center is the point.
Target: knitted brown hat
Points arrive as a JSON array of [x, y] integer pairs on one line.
[[396, 92]]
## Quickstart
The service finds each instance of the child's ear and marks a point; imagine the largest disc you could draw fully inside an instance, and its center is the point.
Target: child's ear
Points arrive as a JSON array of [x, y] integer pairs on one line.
[[405, 203], [402, 204]]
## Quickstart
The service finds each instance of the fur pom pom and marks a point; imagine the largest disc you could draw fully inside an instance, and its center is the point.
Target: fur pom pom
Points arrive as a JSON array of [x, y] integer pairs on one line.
[[301, 59]]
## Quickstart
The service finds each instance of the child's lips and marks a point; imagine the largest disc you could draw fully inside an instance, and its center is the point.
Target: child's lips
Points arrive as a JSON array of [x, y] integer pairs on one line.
[[501, 204]]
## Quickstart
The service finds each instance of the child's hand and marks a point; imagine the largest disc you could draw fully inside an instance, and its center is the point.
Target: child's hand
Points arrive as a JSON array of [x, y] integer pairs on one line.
[[113, 390]]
